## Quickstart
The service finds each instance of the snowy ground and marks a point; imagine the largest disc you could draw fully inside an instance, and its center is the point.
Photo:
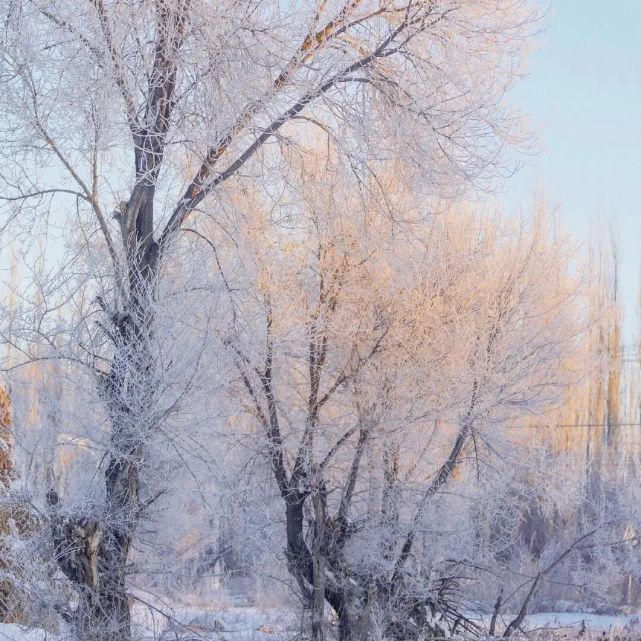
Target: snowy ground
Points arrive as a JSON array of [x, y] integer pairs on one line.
[[221, 623], [595, 622], [224, 623], [241, 623]]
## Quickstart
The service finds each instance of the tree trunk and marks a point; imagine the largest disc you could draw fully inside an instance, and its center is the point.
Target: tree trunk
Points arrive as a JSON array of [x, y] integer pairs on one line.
[[301, 565], [103, 611], [93, 551], [318, 588]]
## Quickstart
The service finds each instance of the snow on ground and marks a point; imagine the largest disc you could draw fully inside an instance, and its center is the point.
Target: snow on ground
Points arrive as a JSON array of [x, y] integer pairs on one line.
[[600, 622], [243, 623], [14, 632], [219, 621]]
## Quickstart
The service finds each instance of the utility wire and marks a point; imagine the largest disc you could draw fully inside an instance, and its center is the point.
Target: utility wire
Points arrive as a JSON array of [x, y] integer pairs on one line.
[[571, 425]]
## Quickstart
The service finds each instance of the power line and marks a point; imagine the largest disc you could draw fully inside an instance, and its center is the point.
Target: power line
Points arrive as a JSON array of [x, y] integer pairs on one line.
[[571, 425]]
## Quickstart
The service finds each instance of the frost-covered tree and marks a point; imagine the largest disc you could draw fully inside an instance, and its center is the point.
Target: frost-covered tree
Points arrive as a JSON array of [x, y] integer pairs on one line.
[[376, 360], [122, 123]]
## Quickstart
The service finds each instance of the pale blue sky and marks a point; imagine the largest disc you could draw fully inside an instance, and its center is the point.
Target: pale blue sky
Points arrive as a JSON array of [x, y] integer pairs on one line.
[[584, 92]]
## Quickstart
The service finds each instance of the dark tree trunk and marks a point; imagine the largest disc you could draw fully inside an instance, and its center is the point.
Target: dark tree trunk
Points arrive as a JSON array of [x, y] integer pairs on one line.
[[94, 559], [104, 608], [301, 564], [318, 555], [93, 551]]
